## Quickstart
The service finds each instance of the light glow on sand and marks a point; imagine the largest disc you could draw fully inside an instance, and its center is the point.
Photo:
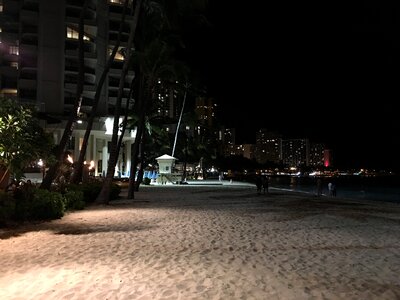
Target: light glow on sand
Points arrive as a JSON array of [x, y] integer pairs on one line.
[[207, 243]]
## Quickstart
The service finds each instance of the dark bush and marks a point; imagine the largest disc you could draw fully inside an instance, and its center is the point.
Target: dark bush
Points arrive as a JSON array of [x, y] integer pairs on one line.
[[146, 181], [92, 189], [115, 191], [7, 208], [46, 205], [74, 200]]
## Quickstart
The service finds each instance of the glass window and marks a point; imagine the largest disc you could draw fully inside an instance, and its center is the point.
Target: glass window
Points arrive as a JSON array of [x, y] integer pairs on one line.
[[14, 50], [73, 34]]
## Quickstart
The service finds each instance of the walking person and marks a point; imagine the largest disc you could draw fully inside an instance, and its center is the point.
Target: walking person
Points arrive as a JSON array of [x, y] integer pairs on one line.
[[265, 184], [330, 185], [333, 190], [259, 184], [319, 187]]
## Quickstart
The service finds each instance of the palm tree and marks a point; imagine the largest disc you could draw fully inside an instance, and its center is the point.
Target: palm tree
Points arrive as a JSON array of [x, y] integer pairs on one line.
[[157, 27], [79, 168], [187, 85], [142, 101], [156, 60], [69, 127], [155, 64], [103, 197], [154, 140], [125, 120]]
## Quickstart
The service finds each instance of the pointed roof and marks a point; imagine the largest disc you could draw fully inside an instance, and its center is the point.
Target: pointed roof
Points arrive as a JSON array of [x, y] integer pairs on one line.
[[165, 156]]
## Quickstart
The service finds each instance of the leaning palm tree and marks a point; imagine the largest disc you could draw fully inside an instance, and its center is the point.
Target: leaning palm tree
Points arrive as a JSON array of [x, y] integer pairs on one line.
[[69, 127], [187, 85], [79, 167], [158, 60], [155, 64], [103, 197], [155, 140]]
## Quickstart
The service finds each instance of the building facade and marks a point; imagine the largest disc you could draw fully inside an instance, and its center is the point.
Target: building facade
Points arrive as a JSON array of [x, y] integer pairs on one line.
[[268, 146], [295, 152], [39, 66]]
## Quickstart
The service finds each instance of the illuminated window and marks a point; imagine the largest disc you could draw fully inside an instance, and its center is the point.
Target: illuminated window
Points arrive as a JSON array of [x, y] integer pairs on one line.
[[14, 50], [73, 34], [118, 55], [1, 7], [14, 64]]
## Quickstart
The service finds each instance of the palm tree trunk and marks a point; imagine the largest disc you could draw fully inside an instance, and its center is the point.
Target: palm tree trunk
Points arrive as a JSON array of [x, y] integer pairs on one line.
[[180, 119], [79, 168], [185, 160], [125, 121], [141, 162], [139, 134], [5, 176], [104, 195], [69, 127]]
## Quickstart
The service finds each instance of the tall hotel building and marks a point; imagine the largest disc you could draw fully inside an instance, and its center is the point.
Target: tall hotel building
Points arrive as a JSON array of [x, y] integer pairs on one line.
[[39, 66], [295, 152], [268, 146]]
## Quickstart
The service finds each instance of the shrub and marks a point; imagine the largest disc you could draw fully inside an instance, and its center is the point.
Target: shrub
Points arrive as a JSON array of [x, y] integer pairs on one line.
[[146, 181], [47, 205], [74, 200], [7, 208], [92, 189], [115, 190]]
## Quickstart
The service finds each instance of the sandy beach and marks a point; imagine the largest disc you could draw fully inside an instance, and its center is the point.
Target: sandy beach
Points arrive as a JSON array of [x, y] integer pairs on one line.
[[208, 242]]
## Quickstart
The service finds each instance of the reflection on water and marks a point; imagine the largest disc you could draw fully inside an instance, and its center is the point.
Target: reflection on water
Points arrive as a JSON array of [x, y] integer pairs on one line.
[[356, 187], [293, 183]]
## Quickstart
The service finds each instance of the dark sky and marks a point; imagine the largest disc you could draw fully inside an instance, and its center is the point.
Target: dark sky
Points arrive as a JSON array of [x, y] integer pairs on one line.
[[312, 70]]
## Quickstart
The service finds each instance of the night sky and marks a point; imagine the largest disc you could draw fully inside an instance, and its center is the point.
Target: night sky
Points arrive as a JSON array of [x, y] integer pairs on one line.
[[312, 70]]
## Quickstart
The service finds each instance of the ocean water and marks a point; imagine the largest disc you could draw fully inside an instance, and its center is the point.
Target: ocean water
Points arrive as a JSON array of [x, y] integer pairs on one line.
[[385, 188]]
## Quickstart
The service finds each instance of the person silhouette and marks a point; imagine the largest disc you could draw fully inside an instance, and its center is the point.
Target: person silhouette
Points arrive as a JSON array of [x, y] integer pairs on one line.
[[330, 185], [258, 183], [319, 187], [265, 182], [333, 190]]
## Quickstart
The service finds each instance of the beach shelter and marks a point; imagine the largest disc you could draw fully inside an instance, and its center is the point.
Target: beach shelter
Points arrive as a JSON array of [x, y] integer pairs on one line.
[[165, 163]]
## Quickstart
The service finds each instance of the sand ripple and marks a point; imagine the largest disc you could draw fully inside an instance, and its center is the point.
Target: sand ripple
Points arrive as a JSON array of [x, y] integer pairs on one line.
[[207, 244]]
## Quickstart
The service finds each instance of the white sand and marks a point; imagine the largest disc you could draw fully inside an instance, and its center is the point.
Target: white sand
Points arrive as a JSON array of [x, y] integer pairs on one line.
[[208, 243]]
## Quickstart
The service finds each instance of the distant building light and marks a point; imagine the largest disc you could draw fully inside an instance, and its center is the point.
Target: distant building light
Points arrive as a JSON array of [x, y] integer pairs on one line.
[[14, 50], [73, 34]]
